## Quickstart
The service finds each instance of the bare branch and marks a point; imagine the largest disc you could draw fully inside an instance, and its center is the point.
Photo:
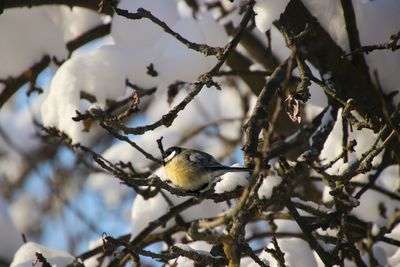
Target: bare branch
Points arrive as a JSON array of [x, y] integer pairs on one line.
[[392, 45], [143, 13], [13, 84]]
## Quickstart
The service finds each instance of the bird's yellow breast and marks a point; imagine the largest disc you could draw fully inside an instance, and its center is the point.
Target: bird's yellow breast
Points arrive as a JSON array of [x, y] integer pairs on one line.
[[184, 174]]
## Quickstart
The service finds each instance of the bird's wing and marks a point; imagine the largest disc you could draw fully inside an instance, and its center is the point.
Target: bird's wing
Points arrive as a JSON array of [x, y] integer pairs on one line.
[[204, 159]]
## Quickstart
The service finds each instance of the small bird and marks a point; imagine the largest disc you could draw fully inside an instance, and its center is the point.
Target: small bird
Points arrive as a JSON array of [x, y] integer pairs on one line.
[[193, 170]]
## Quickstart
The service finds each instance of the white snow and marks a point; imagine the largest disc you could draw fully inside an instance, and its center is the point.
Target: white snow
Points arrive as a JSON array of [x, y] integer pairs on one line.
[[73, 21], [139, 43], [326, 121], [200, 247], [297, 253], [48, 30], [93, 261], [332, 148], [267, 11], [231, 180], [183, 246], [395, 259], [102, 74], [370, 202], [201, 110], [265, 190], [204, 31], [42, 35], [375, 229], [311, 204], [158, 206], [287, 226], [376, 31], [389, 178], [209, 106], [25, 255], [144, 211], [143, 33], [376, 21], [330, 16]]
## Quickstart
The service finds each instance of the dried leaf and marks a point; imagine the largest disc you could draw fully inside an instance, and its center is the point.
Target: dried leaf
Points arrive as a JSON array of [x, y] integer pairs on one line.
[[87, 124], [151, 71], [173, 90], [292, 108]]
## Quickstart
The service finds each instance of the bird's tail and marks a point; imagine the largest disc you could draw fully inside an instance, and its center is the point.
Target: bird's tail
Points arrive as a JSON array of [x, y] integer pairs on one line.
[[232, 169]]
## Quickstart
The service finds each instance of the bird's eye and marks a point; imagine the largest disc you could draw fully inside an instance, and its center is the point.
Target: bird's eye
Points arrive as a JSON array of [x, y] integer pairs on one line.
[[170, 153], [169, 156]]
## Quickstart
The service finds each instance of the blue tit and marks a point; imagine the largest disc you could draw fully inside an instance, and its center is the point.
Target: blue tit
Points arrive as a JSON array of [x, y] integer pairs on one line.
[[193, 170]]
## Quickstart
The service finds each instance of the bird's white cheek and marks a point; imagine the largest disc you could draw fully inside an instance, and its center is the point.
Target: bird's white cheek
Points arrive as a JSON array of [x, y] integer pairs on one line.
[[170, 156]]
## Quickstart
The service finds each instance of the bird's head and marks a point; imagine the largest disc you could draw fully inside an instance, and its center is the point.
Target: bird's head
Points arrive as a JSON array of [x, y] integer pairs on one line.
[[170, 153]]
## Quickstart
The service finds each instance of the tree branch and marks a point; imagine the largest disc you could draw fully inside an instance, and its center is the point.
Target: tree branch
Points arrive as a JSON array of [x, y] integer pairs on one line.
[[90, 4], [13, 84], [301, 30]]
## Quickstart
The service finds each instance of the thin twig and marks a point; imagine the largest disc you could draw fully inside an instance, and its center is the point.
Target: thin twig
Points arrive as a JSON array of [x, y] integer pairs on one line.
[[392, 45], [142, 13], [205, 79], [13, 84], [162, 220]]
